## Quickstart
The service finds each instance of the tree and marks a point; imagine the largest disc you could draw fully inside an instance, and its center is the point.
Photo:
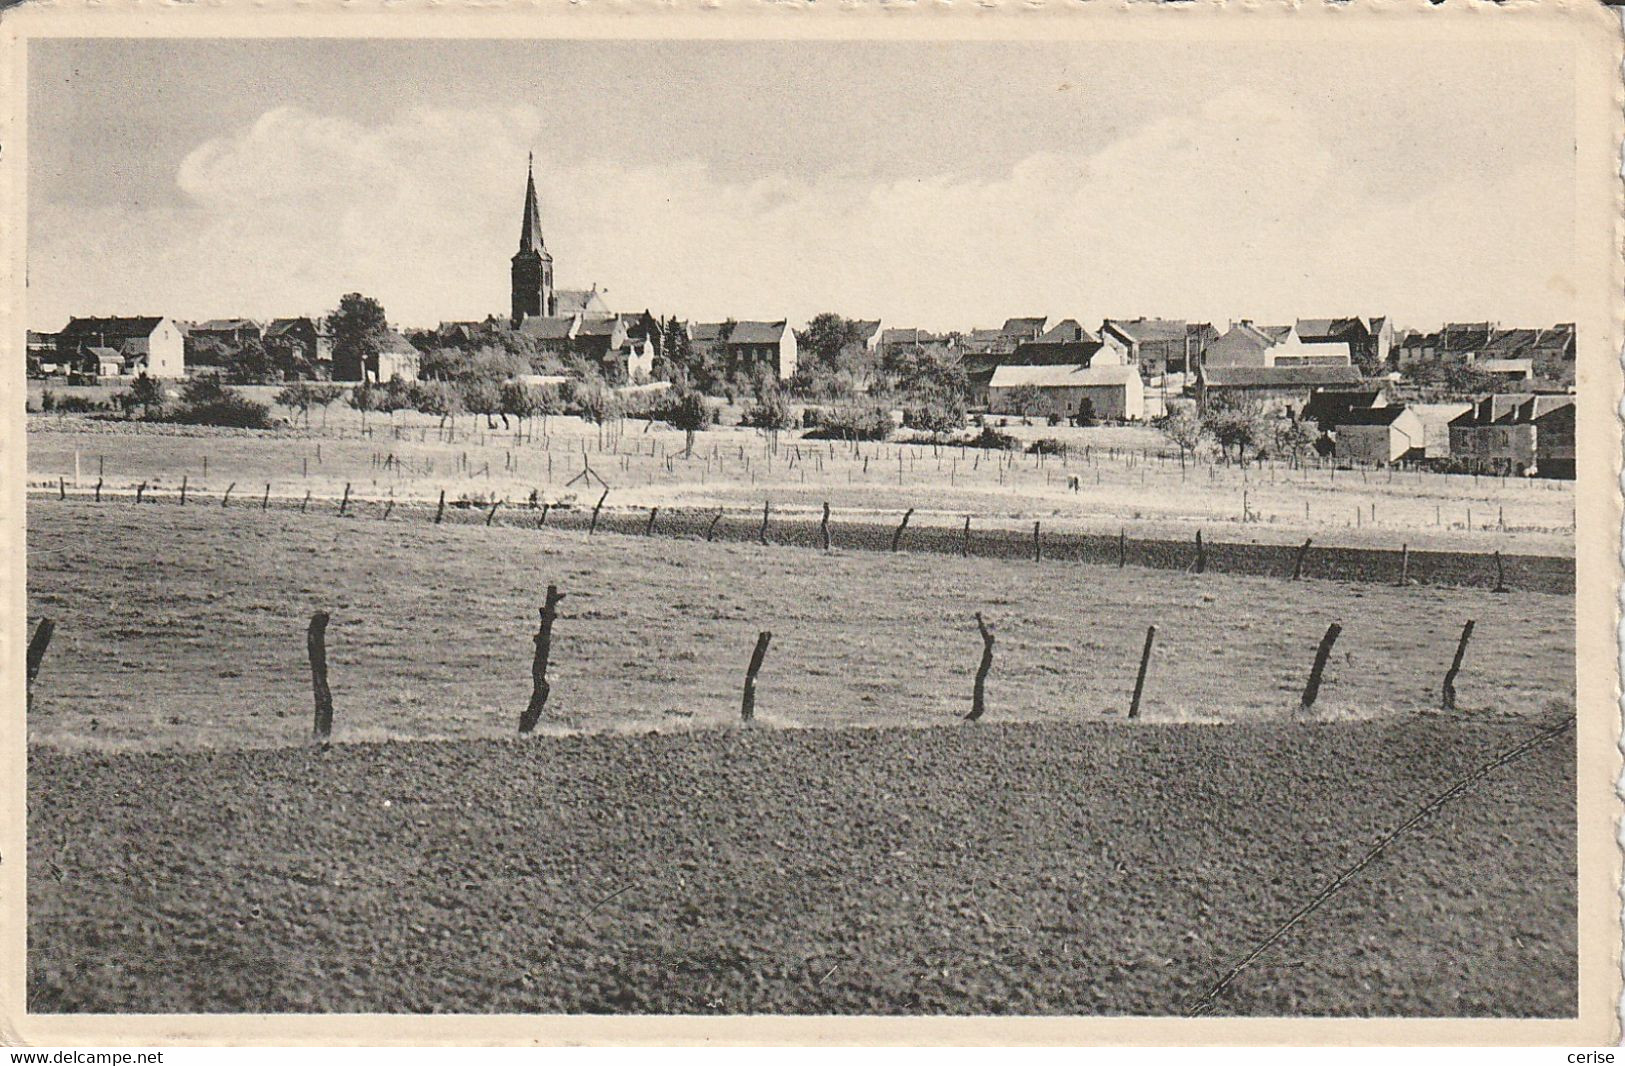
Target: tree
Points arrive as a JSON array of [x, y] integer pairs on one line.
[[251, 364], [359, 329], [1025, 400], [439, 398], [297, 398], [597, 404], [482, 396], [145, 393], [1294, 439], [442, 364], [833, 345], [325, 396], [690, 413], [517, 400], [1086, 412], [1185, 430], [364, 398], [1239, 424]]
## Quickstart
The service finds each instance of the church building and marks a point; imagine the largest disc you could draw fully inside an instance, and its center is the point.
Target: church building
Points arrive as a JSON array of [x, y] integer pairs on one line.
[[533, 294]]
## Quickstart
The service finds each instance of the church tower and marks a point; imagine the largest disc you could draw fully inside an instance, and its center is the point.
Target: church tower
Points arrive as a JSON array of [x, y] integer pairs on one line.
[[532, 265]]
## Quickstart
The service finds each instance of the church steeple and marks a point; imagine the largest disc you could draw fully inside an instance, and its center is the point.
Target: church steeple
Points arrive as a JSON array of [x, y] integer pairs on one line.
[[532, 264], [530, 231]]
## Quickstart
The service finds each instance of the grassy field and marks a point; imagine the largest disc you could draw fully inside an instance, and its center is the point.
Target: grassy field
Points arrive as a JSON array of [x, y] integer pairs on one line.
[[184, 627], [1113, 478], [995, 868]]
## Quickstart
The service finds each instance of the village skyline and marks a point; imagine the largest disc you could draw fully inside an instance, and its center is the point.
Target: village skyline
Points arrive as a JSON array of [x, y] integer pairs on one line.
[[268, 194]]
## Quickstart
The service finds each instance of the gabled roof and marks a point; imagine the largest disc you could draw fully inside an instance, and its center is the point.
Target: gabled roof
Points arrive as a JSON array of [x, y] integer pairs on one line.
[[395, 344], [1062, 375], [865, 329], [549, 327], [1279, 376], [226, 325], [1371, 416], [907, 336], [1066, 331], [1143, 330], [119, 326], [1024, 327], [1336, 405], [110, 355], [705, 332], [1277, 334], [750, 332], [586, 301], [1323, 330], [598, 326]]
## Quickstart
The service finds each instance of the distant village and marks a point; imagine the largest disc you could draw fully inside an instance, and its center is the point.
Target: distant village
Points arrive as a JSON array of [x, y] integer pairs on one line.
[[1477, 397]]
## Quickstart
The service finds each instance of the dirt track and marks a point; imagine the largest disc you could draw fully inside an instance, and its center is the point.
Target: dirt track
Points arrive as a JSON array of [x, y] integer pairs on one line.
[[1091, 869]]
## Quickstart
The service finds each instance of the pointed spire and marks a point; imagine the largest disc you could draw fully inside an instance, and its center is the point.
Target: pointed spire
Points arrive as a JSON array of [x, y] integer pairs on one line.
[[530, 232]]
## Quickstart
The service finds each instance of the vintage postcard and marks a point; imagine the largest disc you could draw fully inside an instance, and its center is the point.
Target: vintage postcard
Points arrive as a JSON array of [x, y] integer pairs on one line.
[[891, 524]]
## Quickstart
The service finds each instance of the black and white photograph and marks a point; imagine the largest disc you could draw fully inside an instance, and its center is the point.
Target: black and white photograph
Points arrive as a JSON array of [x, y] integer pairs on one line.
[[1092, 518]]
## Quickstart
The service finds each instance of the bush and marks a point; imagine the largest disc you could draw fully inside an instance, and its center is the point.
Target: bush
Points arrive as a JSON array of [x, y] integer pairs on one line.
[[231, 409], [851, 422], [993, 439], [770, 411], [1046, 446], [936, 417], [71, 405]]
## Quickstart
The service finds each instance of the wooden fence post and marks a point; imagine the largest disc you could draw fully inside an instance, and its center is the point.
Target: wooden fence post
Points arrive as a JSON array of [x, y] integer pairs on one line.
[[1404, 565], [98, 490], [389, 508], [747, 706], [964, 540], [1500, 575], [1139, 680], [305, 502], [1303, 552], [648, 530], [1447, 699], [492, 513], [225, 500], [36, 654], [265, 501], [61, 488], [183, 490], [539, 687], [1312, 689], [897, 535], [440, 510], [1201, 555], [344, 504], [711, 530], [977, 702], [316, 644], [1122, 548], [546, 507], [140, 490], [1038, 550], [593, 526], [823, 526], [761, 534]]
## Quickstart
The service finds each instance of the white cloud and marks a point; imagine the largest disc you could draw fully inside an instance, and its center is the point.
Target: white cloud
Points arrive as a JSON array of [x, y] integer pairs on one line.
[[1202, 215]]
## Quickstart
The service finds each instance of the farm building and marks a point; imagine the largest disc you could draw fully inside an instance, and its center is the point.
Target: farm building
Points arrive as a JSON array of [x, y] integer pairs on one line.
[[750, 343], [1158, 345], [1064, 343], [1115, 392], [394, 357], [1287, 388], [1436, 419], [150, 343], [1244, 344], [231, 332], [1377, 436], [1345, 339], [303, 335], [1327, 409], [1502, 434]]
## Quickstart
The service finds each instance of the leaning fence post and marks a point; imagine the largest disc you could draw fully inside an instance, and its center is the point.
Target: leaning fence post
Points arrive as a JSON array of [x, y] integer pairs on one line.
[[1201, 555], [747, 707], [977, 704], [265, 501], [823, 527], [344, 504], [711, 530], [897, 536], [316, 643], [1447, 700], [140, 490], [1312, 689], [226, 499], [593, 526], [36, 653], [648, 530], [98, 490], [440, 511], [546, 507], [1139, 680], [1303, 551], [767, 509], [1500, 575], [492, 513], [539, 688]]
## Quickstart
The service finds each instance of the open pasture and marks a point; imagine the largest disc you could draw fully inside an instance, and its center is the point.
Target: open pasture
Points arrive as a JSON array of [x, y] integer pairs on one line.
[[1112, 478], [183, 627], [1000, 868]]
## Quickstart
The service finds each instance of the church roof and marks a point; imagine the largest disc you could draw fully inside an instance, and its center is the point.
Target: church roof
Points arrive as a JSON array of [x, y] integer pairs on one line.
[[530, 230]]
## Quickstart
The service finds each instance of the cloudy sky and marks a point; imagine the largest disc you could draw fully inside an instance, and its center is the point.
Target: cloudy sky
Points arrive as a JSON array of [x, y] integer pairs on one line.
[[936, 184]]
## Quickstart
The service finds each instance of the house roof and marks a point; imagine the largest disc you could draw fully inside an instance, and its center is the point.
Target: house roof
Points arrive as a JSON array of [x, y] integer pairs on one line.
[[907, 336], [1371, 416], [1061, 375], [758, 332], [1066, 331], [279, 326], [865, 328], [395, 344], [119, 326], [549, 327], [705, 332], [598, 326], [584, 300], [111, 355], [1027, 326], [1279, 376], [1142, 330], [1325, 405], [1323, 330], [226, 325]]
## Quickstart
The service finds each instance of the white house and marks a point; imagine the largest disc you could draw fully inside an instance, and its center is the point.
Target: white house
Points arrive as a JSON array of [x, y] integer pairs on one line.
[[153, 344]]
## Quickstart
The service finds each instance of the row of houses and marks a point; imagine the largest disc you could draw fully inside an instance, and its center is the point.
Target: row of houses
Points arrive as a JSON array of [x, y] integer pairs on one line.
[[116, 346], [1512, 434]]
